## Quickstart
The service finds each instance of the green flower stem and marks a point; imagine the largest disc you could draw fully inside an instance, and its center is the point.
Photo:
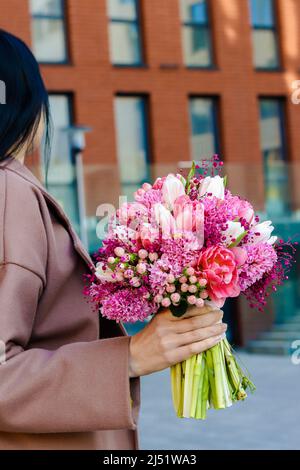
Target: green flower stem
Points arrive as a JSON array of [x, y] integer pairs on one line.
[[196, 397], [234, 373], [205, 393], [188, 386], [198, 413], [218, 377], [211, 377], [226, 383], [176, 380]]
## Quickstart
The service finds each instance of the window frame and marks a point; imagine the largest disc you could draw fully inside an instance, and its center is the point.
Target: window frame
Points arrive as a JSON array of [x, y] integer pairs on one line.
[[146, 122], [282, 121], [207, 26], [135, 22], [274, 28], [63, 18], [215, 99], [71, 114]]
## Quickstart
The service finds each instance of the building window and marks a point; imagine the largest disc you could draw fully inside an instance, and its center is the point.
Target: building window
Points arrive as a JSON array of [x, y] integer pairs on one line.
[[265, 40], [125, 34], [204, 131], [196, 33], [132, 141], [272, 129], [48, 31], [61, 113], [62, 180]]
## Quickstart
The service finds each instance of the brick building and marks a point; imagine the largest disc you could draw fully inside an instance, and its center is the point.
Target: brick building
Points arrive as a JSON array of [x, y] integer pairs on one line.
[[162, 82]]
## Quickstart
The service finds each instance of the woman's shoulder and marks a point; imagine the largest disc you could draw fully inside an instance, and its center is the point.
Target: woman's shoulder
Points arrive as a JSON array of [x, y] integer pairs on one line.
[[22, 233]]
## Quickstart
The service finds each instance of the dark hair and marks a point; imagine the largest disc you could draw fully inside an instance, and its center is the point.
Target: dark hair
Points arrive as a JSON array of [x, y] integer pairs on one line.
[[26, 98]]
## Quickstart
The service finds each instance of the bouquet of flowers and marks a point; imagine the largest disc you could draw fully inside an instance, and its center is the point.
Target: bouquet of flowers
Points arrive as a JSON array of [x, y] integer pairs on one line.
[[187, 242]]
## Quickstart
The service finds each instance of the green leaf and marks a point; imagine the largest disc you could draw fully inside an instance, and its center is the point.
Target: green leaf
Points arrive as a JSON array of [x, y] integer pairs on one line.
[[238, 240], [182, 180], [190, 175], [179, 310], [225, 181]]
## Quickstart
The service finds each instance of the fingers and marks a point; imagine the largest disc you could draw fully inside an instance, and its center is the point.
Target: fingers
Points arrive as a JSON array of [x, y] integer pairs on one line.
[[200, 321], [195, 311], [191, 312], [185, 352], [201, 334]]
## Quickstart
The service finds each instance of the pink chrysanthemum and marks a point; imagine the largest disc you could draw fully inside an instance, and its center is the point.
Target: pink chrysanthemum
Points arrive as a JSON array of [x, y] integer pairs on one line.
[[128, 305], [260, 260]]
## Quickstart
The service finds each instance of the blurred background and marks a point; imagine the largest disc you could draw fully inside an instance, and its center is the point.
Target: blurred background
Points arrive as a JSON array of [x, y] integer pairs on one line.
[[139, 88]]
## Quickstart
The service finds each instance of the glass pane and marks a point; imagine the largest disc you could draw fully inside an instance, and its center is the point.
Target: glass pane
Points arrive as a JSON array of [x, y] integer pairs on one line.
[[194, 11], [122, 9], [49, 40], [262, 12], [197, 46], [131, 142], [265, 49], [271, 129], [62, 183], [275, 170], [61, 151], [204, 136], [124, 43], [46, 7]]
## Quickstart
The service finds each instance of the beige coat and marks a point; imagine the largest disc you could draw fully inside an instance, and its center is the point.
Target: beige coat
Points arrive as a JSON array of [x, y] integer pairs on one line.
[[61, 387]]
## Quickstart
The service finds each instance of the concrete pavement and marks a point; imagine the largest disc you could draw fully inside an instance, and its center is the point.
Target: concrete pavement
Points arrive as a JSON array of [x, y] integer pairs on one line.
[[268, 419]]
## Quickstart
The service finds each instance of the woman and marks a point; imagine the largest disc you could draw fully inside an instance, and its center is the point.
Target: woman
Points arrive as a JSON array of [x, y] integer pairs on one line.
[[66, 382]]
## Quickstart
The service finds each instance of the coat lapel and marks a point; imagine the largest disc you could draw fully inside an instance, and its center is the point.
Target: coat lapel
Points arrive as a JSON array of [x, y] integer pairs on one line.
[[17, 167]]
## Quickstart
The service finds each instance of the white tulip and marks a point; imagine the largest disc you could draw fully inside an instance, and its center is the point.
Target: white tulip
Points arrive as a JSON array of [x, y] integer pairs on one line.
[[172, 188], [234, 230], [213, 185], [264, 229]]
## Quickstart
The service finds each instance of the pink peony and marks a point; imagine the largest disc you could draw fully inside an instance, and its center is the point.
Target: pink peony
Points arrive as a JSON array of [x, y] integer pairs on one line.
[[219, 266]]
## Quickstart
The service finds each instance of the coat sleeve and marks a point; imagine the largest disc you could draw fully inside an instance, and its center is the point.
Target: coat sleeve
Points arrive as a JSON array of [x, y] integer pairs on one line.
[[79, 387]]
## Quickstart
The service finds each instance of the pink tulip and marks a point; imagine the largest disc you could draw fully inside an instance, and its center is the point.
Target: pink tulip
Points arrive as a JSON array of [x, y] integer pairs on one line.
[[164, 220], [189, 217]]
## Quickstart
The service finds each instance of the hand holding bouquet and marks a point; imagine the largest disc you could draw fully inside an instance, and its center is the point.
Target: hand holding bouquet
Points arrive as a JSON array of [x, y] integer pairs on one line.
[[189, 243]]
